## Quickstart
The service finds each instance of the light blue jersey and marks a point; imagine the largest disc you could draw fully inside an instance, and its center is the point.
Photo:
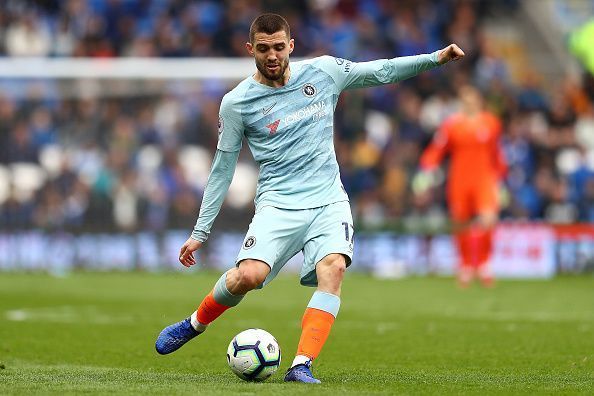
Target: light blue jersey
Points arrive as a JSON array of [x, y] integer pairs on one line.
[[289, 131]]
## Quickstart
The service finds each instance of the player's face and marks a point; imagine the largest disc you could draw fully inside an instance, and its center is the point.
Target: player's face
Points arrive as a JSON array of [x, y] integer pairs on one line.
[[471, 99], [271, 52]]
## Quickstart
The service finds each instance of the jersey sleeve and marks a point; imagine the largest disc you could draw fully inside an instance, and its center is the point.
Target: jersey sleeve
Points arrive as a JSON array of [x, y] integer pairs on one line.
[[438, 148], [219, 180], [230, 126], [499, 160], [349, 75]]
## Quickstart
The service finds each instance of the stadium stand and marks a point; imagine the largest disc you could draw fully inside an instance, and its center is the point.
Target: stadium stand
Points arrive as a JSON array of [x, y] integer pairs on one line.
[[91, 160]]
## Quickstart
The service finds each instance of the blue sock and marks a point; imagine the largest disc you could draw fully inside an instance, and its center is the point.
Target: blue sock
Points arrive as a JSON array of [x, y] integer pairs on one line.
[[223, 296], [325, 302]]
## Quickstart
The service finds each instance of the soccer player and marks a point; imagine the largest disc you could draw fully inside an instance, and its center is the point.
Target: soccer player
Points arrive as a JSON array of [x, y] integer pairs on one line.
[[471, 138], [285, 113]]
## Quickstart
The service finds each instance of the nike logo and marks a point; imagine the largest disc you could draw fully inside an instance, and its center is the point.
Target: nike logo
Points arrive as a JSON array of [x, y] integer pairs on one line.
[[266, 110]]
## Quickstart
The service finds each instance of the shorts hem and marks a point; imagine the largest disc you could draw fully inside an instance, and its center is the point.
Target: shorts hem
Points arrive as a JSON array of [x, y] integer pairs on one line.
[[348, 256], [239, 260], [311, 280]]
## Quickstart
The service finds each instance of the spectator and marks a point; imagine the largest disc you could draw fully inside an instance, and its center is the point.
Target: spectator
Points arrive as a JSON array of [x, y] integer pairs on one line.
[[102, 183], [28, 38]]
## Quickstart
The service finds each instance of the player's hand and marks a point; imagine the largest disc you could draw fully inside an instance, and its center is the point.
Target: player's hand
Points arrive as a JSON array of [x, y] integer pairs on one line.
[[450, 53], [503, 195], [422, 182], [186, 256]]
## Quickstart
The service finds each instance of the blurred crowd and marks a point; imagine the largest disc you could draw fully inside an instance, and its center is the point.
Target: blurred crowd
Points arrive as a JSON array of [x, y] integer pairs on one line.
[[140, 161]]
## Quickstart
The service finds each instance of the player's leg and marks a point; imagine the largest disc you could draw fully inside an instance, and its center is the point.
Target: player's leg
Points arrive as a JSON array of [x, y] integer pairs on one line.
[[488, 210], [227, 292], [328, 252], [461, 215], [322, 309], [259, 248], [274, 236], [486, 223], [463, 238], [318, 318]]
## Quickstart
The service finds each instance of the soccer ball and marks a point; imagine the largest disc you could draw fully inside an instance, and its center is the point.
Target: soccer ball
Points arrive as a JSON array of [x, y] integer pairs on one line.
[[254, 355]]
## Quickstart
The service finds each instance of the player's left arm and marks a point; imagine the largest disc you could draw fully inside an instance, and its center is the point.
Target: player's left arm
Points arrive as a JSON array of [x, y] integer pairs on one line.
[[389, 71], [499, 161], [220, 177], [219, 180]]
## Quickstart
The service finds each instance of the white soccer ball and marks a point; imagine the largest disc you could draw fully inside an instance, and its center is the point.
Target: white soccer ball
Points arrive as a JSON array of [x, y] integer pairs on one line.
[[254, 355]]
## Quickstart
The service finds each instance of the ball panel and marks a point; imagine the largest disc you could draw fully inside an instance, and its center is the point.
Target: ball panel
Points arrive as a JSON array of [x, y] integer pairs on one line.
[[246, 360], [270, 350], [247, 337], [254, 355]]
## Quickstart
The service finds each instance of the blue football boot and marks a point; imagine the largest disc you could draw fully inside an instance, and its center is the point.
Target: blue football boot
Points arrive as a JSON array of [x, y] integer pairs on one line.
[[301, 373], [175, 336]]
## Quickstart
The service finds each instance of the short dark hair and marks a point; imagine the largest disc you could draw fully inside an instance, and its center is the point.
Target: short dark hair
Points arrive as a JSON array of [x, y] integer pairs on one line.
[[269, 24]]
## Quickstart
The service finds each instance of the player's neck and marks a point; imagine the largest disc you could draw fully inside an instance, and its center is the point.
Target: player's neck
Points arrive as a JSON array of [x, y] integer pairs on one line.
[[473, 113], [281, 82]]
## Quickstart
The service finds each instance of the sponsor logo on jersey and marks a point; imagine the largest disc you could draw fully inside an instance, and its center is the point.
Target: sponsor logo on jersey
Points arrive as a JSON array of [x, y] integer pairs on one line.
[[266, 110], [308, 90], [316, 111], [249, 242], [273, 127], [221, 125]]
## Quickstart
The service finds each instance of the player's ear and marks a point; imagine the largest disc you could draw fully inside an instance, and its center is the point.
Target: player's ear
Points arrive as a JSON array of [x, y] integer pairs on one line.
[[250, 48], [291, 45]]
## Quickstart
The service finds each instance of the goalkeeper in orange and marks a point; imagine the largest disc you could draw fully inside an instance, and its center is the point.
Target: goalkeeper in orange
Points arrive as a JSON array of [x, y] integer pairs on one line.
[[471, 139]]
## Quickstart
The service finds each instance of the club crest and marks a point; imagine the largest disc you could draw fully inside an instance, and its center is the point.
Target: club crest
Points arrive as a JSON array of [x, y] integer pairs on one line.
[[221, 125], [249, 242], [309, 90]]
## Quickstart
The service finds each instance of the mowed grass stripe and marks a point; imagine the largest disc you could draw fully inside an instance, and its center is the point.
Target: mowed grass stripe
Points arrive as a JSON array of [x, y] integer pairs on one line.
[[77, 379], [94, 333]]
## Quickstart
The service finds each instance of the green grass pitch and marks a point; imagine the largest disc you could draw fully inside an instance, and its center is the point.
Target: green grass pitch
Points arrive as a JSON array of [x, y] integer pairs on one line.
[[94, 333]]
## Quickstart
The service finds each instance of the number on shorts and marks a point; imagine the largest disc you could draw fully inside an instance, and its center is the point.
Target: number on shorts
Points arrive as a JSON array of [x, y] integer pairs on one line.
[[347, 234]]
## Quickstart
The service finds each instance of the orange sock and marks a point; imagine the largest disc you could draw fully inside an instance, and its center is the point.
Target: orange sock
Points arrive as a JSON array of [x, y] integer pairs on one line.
[[486, 245], [484, 270], [475, 245], [316, 325], [465, 270], [209, 309], [464, 242]]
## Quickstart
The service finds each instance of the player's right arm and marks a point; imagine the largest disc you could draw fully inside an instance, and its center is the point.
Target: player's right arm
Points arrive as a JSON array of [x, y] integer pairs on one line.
[[219, 179], [431, 158], [438, 148]]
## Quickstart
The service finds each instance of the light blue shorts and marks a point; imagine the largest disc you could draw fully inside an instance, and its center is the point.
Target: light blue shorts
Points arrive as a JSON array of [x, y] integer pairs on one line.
[[275, 235]]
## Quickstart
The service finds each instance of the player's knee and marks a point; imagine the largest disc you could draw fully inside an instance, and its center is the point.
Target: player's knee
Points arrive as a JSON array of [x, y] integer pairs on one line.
[[488, 220], [333, 265], [250, 277]]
